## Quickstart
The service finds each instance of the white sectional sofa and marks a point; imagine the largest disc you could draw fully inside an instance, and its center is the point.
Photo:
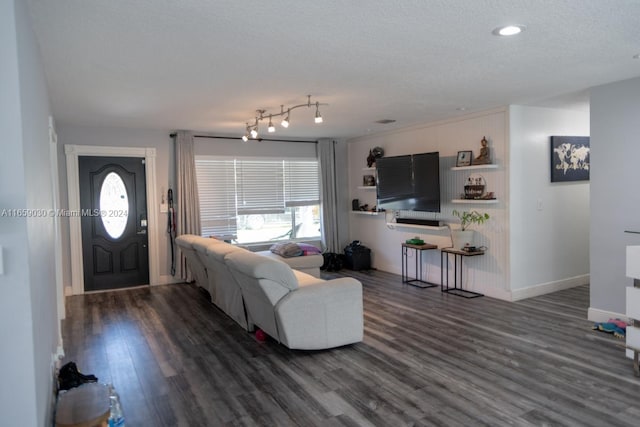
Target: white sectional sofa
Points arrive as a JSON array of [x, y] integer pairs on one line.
[[295, 308], [309, 264]]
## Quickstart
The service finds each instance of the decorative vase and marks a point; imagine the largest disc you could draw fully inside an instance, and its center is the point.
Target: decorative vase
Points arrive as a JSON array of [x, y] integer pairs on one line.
[[460, 238]]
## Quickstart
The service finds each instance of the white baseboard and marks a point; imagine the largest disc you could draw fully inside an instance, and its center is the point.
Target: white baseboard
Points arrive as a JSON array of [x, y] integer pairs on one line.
[[545, 288], [68, 290], [167, 279], [597, 315], [494, 293]]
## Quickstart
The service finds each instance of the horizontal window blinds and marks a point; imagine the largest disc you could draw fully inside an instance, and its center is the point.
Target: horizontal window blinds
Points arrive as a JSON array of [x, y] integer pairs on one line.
[[302, 183], [260, 187], [217, 193]]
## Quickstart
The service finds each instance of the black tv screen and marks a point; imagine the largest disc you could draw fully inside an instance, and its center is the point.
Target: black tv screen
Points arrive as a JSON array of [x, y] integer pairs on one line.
[[410, 182]]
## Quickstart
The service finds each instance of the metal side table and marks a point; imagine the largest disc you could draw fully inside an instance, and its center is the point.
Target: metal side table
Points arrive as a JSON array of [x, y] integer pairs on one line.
[[458, 256], [417, 281]]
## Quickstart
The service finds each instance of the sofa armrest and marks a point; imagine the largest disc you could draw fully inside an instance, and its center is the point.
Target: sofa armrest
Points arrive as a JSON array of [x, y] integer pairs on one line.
[[321, 315]]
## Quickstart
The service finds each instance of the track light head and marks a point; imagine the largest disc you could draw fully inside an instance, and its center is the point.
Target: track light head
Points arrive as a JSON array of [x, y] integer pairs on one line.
[[285, 121], [245, 138], [271, 128], [318, 118], [254, 132]]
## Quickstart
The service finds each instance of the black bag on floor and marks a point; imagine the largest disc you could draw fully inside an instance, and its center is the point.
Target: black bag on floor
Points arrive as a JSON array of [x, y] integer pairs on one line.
[[357, 256], [332, 261], [69, 377]]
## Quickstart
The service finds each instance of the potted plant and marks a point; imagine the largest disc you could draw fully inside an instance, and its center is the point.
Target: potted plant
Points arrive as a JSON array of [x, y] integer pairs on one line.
[[464, 236]]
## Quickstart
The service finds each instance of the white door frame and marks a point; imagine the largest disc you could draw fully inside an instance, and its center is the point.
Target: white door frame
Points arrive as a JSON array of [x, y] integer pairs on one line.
[[73, 152]]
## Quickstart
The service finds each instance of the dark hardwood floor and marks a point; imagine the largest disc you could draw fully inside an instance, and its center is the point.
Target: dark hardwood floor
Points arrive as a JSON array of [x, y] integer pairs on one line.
[[427, 359]]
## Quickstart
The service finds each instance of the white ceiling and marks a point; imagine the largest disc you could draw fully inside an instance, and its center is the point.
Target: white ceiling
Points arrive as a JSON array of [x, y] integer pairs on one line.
[[207, 65]]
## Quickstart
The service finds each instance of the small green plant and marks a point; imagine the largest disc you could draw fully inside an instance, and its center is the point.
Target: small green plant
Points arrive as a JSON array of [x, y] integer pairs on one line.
[[469, 218]]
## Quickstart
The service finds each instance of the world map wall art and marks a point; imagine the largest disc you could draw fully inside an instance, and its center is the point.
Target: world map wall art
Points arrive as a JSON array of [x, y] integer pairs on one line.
[[570, 158]]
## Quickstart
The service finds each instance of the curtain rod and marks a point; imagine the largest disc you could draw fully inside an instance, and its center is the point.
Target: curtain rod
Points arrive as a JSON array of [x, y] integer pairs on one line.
[[173, 135]]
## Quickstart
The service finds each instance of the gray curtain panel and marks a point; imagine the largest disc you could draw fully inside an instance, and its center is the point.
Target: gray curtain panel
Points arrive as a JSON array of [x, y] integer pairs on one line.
[[326, 156], [186, 195]]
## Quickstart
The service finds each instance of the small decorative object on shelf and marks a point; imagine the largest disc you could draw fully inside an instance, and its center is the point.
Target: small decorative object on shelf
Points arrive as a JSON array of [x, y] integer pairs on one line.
[[369, 180], [474, 189], [484, 157], [371, 159], [464, 158], [374, 154]]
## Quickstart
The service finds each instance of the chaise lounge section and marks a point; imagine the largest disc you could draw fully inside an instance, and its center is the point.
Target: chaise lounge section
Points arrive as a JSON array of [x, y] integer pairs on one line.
[[295, 308]]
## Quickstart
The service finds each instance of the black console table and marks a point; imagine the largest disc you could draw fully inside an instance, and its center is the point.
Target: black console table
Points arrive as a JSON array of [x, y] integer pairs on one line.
[[457, 271], [417, 281]]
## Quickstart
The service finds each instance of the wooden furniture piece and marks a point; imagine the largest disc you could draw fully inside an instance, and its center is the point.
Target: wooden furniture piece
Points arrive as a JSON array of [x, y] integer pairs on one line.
[[457, 272], [417, 280], [84, 406]]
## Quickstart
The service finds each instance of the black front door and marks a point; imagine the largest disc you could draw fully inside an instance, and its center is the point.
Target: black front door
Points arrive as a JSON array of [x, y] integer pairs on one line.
[[113, 213]]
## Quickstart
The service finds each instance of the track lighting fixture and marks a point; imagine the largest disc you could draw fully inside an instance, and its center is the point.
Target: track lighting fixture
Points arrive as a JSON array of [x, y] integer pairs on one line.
[[263, 115]]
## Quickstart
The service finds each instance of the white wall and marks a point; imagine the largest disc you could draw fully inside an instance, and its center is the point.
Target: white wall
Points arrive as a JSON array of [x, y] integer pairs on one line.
[[28, 310], [120, 137], [615, 203], [487, 274], [549, 222], [252, 148]]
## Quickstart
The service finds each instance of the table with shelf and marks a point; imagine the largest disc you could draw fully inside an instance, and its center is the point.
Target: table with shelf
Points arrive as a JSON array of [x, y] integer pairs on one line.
[[457, 272], [417, 281]]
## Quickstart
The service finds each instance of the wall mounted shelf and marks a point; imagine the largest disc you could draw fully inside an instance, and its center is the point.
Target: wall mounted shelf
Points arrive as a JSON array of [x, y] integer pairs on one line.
[[366, 212], [423, 227], [463, 168], [476, 201]]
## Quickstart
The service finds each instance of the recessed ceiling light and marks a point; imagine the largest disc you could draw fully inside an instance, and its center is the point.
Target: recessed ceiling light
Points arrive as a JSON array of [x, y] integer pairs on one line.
[[508, 30]]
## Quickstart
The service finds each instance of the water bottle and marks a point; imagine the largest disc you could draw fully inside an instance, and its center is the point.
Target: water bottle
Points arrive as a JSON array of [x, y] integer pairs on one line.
[[116, 417]]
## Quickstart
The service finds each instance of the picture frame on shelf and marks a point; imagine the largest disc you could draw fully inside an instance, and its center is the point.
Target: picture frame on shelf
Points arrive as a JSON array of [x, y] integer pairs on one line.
[[464, 158]]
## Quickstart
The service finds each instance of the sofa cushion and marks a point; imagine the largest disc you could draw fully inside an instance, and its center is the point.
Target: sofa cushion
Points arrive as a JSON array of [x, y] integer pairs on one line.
[[286, 250], [308, 249], [260, 267], [297, 262]]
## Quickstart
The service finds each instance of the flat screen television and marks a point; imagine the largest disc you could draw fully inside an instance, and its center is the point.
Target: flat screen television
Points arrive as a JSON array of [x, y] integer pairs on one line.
[[409, 182]]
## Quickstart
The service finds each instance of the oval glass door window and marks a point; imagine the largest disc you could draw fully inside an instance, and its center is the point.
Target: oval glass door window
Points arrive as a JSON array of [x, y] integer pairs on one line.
[[114, 205]]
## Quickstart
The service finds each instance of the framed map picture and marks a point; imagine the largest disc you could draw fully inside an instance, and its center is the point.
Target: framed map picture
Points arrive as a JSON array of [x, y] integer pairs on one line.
[[570, 158]]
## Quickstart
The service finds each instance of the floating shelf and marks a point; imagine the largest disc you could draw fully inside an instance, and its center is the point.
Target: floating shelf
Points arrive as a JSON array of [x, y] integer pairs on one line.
[[462, 168], [476, 201], [367, 187], [366, 212], [423, 227]]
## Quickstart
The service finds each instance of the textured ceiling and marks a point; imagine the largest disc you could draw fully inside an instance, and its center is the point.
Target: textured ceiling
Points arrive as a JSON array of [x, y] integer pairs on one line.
[[208, 65]]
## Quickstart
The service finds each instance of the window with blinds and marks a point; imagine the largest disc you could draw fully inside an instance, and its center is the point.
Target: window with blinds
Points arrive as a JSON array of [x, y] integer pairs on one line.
[[252, 201], [302, 186], [217, 193]]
